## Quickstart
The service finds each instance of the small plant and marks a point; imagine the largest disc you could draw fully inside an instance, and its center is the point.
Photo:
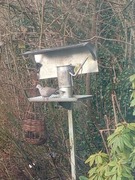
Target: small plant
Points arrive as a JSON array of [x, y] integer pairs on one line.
[[119, 164]]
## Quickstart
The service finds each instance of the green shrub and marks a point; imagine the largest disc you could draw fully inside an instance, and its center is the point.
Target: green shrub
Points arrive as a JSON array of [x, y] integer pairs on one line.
[[119, 163]]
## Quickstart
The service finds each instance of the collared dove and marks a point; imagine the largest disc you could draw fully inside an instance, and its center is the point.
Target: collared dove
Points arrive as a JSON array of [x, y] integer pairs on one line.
[[46, 91]]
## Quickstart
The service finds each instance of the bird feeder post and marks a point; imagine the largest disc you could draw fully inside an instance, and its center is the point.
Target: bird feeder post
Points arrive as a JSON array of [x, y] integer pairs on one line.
[[60, 62], [72, 144], [65, 84]]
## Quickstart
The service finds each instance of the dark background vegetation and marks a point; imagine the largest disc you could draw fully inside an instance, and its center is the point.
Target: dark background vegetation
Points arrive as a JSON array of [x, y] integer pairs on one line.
[[35, 24]]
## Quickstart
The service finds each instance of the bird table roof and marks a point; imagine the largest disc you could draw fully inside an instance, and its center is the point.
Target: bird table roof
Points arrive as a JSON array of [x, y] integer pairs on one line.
[[74, 46], [74, 55]]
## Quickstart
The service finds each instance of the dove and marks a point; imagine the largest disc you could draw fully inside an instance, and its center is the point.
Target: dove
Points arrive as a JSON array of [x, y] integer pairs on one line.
[[46, 91]]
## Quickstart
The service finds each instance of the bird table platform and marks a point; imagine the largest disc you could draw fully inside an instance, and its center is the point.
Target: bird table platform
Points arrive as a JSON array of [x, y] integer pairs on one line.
[[56, 98]]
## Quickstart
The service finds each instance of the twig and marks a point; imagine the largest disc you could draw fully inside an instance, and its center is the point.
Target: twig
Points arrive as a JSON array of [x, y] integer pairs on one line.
[[104, 142], [41, 23], [107, 123], [114, 110], [107, 39], [127, 5], [118, 106]]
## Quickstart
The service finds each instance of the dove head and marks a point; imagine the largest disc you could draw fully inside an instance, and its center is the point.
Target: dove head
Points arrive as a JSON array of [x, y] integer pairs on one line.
[[38, 86]]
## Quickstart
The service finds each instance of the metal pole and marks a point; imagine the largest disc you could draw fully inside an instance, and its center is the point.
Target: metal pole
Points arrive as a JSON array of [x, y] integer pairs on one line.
[[72, 145]]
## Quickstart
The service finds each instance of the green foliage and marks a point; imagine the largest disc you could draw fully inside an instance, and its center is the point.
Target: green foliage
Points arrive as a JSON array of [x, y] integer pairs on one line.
[[120, 162], [99, 161], [132, 159], [121, 141], [132, 104], [83, 178]]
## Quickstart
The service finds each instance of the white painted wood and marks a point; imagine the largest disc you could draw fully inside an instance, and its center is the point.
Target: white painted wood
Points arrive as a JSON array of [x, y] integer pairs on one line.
[[56, 98], [72, 145], [51, 61]]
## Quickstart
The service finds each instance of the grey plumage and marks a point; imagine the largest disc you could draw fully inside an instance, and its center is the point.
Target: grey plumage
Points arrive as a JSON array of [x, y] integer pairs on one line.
[[46, 91]]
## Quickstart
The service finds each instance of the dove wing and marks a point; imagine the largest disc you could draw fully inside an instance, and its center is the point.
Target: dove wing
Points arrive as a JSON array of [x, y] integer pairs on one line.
[[47, 91]]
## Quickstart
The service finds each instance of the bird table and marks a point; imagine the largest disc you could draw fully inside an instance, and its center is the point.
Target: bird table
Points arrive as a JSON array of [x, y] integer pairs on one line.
[[64, 63]]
